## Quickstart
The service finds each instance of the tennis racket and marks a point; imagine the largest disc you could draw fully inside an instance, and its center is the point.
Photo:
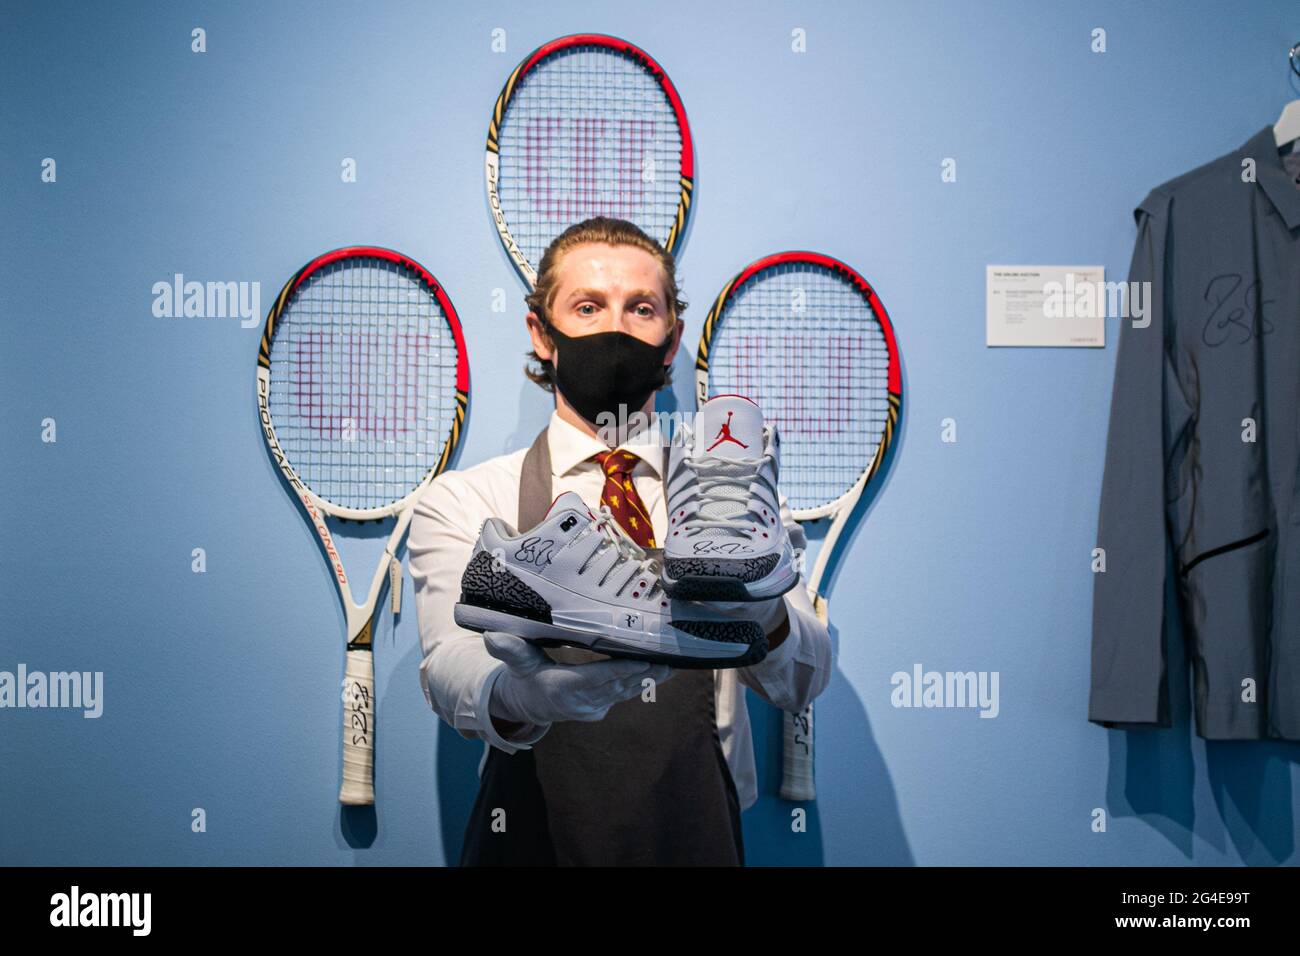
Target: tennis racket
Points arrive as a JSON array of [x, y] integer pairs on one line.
[[362, 390], [587, 125], [806, 337]]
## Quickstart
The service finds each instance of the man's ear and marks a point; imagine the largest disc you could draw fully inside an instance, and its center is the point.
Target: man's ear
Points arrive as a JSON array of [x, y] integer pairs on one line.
[[677, 341], [542, 344]]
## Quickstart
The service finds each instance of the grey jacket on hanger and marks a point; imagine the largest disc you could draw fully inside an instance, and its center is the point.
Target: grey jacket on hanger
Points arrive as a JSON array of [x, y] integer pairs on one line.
[[1200, 492]]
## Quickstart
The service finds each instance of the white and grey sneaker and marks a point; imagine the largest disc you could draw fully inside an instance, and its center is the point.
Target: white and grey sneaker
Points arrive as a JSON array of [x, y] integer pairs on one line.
[[725, 539], [578, 579]]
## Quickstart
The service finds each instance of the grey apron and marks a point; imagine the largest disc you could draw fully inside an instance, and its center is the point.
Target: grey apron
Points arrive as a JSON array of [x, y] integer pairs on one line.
[[646, 786]]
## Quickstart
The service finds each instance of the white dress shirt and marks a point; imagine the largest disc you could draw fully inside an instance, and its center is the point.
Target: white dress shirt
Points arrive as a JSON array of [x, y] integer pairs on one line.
[[457, 672]]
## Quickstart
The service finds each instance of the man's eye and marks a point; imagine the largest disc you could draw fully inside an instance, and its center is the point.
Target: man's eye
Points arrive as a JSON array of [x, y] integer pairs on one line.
[[645, 310], [586, 305]]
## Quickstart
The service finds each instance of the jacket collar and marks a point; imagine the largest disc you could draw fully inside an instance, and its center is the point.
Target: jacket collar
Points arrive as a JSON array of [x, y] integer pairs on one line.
[[1273, 177], [570, 446]]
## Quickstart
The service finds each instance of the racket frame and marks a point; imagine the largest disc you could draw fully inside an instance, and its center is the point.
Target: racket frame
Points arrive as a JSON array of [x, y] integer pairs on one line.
[[492, 164], [797, 781], [357, 788]]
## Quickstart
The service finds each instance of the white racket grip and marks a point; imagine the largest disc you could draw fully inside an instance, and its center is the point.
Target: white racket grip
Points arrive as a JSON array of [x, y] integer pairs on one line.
[[797, 762], [797, 737], [358, 788]]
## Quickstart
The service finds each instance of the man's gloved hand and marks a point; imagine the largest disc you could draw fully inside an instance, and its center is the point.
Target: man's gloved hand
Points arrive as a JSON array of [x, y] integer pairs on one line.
[[534, 689]]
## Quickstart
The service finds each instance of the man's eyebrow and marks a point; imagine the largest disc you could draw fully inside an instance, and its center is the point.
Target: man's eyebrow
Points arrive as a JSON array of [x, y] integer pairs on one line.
[[600, 294]]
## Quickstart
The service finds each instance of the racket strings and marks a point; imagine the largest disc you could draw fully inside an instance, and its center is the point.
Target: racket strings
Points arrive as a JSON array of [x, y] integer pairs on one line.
[[588, 132], [363, 373], [807, 347]]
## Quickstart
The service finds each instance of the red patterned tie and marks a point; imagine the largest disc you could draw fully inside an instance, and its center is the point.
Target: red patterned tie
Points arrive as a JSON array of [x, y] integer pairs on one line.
[[620, 496]]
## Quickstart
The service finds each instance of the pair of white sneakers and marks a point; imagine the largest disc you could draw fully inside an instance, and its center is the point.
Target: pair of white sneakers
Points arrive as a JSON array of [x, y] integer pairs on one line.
[[578, 579]]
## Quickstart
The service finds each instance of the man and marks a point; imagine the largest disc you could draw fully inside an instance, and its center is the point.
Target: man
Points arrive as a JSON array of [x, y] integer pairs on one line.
[[614, 775]]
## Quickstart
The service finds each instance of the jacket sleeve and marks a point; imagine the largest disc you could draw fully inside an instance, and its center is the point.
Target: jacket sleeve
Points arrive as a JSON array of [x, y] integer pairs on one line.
[[1129, 686], [456, 672]]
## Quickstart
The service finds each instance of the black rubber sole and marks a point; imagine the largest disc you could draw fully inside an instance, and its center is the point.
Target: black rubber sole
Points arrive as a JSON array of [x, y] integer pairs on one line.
[[545, 634], [757, 651], [716, 587], [700, 587]]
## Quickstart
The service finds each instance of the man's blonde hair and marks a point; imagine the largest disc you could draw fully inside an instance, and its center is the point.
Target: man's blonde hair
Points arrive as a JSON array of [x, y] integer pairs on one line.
[[610, 232]]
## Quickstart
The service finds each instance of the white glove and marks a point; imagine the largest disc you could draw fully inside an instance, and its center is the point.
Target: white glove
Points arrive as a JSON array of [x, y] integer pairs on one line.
[[533, 689]]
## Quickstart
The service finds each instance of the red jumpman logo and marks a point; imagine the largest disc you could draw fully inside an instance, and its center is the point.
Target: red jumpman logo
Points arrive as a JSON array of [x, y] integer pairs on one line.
[[724, 434]]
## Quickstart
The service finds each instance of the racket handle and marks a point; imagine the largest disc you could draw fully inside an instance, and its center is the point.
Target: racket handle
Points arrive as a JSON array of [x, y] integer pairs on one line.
[[797, 743], [358, 788], [797, 762]]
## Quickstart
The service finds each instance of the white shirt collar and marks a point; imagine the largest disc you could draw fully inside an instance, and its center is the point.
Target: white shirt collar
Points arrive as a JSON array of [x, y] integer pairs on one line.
[[570, 446]]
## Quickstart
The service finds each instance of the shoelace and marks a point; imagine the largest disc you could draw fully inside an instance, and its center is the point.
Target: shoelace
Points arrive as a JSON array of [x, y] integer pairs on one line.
[[612, 535], [722, 480]]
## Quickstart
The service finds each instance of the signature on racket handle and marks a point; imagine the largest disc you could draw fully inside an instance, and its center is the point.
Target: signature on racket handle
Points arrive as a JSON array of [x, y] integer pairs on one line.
[[797, 772], [358, 787]]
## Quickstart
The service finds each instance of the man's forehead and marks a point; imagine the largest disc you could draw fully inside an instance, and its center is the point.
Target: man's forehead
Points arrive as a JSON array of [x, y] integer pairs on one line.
[[637, 271]]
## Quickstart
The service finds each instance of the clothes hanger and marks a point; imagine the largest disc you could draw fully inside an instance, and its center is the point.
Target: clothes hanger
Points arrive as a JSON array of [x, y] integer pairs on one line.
[[1287, 127]]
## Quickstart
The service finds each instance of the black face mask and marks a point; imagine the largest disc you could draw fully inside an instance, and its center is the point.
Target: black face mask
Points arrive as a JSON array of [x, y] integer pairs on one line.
[[599, 372]]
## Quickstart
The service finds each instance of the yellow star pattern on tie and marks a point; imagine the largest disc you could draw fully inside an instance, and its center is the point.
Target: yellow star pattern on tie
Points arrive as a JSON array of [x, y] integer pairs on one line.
[[621, 498]]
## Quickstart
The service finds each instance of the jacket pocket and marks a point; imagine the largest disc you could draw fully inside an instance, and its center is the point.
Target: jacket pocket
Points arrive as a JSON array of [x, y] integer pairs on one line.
[[1228, 623], [1222, 549]]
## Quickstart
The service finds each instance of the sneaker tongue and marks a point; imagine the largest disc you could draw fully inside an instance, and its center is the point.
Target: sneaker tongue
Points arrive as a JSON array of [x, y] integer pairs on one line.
[[730, 426]]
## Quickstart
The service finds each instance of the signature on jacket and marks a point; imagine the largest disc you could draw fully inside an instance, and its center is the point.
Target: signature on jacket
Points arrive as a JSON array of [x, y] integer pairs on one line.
[[1234, 318]]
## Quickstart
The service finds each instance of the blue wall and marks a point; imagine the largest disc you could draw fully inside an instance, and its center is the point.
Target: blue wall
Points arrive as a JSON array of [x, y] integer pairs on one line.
[[222, 687]]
